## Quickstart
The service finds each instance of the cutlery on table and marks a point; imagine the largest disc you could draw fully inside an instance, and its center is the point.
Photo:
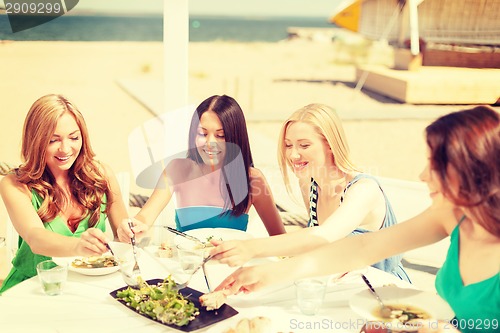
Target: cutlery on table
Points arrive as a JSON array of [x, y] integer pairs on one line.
[[131, 279], [110, 249], [206, 278], [183, 234], [202, 265], [385, 312]]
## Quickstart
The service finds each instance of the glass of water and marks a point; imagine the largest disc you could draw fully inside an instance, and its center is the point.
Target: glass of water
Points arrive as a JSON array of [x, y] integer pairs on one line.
[[52, 276], [310, 295], [190, 256]]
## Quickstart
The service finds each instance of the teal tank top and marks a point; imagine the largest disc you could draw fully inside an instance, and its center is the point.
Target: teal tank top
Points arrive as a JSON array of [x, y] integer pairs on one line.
[[25, 261], [196, 217], [476, 306]]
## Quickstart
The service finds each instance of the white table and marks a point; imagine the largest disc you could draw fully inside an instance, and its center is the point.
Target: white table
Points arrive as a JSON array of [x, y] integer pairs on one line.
[[86, 305]]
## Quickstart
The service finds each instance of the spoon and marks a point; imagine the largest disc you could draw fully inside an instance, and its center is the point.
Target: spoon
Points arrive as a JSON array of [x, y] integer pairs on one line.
[[385, 312]]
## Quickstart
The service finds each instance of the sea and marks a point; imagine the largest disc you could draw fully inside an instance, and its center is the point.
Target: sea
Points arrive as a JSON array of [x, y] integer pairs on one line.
[[150, 28]]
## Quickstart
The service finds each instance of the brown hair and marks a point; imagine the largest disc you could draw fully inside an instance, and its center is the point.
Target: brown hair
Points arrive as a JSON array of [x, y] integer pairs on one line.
[[465, 146], [87, 182]]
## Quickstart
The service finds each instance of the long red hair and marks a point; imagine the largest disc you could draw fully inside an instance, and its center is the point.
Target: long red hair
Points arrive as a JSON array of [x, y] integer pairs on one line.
[[87, 182]]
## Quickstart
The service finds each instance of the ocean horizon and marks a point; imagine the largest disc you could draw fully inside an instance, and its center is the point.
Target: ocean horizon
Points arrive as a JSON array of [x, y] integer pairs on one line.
[[150, 28]]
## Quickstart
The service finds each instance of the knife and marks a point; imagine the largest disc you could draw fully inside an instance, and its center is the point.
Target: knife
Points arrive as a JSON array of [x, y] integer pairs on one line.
[[180, 233]]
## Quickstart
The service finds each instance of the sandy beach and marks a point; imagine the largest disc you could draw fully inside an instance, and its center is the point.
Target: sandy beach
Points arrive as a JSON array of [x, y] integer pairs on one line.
[[270, 80]]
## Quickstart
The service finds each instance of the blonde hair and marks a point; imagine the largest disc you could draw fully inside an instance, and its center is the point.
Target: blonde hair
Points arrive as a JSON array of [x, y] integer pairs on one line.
[[87, 182], [327, 124]]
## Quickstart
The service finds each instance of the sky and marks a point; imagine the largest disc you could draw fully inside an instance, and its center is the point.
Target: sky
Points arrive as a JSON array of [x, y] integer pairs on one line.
[[317, 8]]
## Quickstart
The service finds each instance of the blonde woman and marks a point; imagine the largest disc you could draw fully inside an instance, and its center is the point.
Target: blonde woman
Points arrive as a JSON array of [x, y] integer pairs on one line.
[[340, 200], [59, 197]]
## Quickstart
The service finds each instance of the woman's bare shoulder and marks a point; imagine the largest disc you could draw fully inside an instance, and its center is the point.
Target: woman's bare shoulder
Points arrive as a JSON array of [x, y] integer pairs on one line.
[[256, 175], [179, 168], [10, 182]]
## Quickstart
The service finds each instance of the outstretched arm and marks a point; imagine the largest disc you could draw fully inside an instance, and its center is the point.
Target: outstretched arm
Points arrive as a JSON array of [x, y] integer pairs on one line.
[[17, 199], [150, 211], [116, 207], [363, 198], [346, 254]]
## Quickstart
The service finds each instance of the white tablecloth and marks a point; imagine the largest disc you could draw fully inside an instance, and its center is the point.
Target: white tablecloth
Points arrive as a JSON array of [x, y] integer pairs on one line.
[[86, 305]]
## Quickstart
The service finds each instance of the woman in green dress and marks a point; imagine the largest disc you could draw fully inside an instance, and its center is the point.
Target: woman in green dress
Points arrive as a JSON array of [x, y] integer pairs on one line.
[[60, 196]]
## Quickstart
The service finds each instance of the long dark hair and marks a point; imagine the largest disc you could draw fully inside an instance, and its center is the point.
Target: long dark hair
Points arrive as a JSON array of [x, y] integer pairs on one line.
[[465, 146], [235, 178]]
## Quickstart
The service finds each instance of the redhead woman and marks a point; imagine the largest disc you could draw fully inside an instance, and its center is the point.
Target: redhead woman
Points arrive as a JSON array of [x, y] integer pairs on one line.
[[341, 200], [60, 196]]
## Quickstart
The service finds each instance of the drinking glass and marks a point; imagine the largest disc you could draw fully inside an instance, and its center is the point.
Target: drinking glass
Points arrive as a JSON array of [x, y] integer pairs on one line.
[[190, 256], [52, 276], [310, 295]]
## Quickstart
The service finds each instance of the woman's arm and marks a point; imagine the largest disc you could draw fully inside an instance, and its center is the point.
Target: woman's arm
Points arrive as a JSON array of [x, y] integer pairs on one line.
[[364, 197], [117, 211], [263, 201], [158, 200], [347, 253], [363, 203], [17, 199]]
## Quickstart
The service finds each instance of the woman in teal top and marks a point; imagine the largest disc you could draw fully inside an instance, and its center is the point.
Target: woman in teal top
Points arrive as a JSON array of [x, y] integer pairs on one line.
[[463, 176], [450, 286], [216, 184], [59, 198]]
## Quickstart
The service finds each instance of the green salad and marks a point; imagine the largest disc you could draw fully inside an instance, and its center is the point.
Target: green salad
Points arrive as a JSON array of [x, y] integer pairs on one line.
[[161, 302]]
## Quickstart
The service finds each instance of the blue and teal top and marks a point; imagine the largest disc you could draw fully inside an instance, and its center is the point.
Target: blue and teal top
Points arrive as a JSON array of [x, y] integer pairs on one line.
[[196, 217]]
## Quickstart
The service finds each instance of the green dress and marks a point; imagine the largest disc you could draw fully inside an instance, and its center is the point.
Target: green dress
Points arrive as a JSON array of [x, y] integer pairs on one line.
[[477, 305], [25, 261]]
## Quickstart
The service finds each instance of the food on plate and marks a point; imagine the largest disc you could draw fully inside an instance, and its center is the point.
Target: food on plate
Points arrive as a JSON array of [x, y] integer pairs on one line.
[[165, 250], [207, 243], [402, 313], [94, 262], [255, 325], [161, 302], [213, 300]]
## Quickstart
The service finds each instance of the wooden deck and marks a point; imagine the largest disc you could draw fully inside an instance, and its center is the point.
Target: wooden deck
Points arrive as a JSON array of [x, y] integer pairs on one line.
[[433, 85]]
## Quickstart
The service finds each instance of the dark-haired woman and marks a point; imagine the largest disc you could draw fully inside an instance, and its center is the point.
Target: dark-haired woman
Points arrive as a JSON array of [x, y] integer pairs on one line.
[[216, 184]]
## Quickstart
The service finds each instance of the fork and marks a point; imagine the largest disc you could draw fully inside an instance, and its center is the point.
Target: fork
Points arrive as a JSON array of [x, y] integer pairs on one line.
[[202, 265], [136, 271]]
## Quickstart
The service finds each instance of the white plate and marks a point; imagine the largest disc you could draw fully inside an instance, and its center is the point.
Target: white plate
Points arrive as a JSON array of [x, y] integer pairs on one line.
[[217, 233], [364, 303], [85, 271]]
